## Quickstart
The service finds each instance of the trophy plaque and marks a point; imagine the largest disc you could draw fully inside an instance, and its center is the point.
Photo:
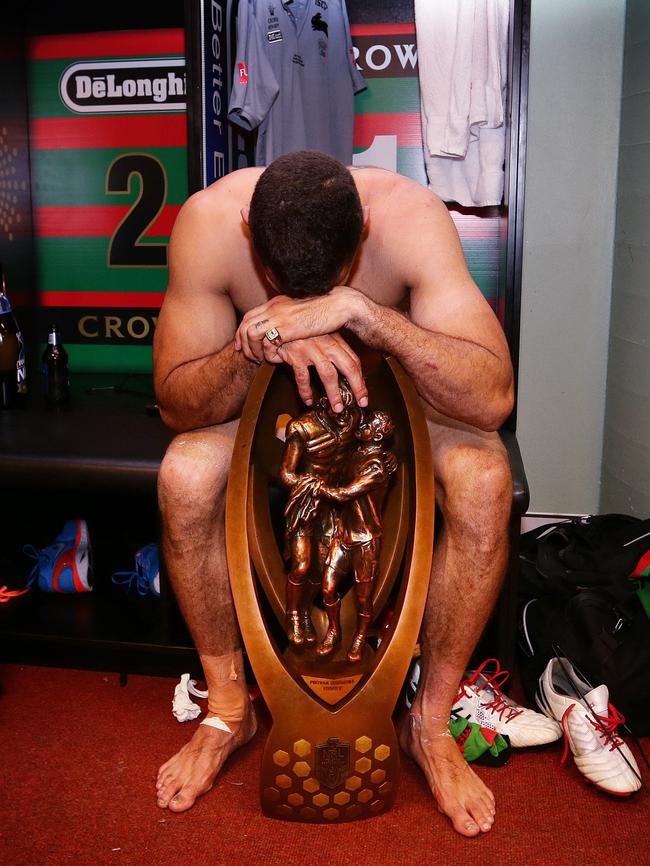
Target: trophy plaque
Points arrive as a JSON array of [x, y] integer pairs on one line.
[[329, 535]]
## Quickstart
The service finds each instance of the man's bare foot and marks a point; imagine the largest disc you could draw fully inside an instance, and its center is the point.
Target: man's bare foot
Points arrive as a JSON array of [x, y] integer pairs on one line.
[[459, 792], [192, 771]]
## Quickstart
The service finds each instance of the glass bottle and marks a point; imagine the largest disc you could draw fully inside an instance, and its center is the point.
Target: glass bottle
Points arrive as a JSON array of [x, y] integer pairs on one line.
[[56, 379]]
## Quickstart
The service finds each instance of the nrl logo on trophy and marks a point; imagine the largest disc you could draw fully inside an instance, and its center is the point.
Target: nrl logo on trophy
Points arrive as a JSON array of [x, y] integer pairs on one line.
[[332, 762], [329, 534]]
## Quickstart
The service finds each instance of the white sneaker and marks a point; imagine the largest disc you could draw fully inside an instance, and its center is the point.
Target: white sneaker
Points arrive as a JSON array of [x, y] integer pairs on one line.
[[590, 724], [481, 700]]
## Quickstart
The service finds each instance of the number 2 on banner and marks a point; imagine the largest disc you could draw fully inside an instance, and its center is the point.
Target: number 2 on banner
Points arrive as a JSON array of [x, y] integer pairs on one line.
[[124, 249]]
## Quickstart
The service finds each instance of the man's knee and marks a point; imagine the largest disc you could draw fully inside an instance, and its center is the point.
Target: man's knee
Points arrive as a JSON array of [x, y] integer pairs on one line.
[[194, 471], [478, 488]]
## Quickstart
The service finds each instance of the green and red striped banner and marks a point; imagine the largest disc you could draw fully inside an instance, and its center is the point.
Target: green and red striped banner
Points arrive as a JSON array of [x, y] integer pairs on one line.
[[108, 181]]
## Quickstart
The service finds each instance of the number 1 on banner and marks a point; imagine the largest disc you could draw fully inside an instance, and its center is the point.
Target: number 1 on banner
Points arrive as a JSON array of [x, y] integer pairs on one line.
[[382, 153]]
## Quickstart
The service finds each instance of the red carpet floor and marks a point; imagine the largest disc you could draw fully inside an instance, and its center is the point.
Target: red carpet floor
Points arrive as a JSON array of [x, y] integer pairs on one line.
[[79, 760]]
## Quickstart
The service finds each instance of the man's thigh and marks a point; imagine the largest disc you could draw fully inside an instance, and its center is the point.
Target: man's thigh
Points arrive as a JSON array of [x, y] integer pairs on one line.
[[465, 458]]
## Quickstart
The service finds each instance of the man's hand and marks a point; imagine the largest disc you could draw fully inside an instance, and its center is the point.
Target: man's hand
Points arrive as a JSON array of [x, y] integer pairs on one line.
[[330, 355], [295, 319]]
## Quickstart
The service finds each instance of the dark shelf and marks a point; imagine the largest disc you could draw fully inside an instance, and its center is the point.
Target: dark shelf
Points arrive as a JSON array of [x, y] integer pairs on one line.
[[111, 438], [98, 461], [96, 631]]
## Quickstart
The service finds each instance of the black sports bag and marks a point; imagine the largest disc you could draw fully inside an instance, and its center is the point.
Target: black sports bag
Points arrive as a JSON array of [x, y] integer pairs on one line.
[[607, 639], [601, 550]]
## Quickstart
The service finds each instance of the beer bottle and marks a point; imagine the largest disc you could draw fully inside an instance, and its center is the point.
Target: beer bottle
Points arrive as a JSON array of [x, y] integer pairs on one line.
[[56, 381], [13, 386]]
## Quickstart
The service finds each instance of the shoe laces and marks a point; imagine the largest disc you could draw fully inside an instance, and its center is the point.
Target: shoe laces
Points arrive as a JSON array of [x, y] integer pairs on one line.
[[565, 734], [498, 703], [605, 727], [41, 557], [7, 594], [129, 578]]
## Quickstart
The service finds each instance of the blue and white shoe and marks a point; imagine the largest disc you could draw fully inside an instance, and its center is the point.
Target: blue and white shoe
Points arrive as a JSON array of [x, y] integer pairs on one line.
[[146, 576], [66, 564]]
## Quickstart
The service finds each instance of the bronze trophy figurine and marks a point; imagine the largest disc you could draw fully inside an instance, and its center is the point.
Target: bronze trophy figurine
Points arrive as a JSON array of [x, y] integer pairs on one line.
[[328, 528], [316, 447], [345, 519]]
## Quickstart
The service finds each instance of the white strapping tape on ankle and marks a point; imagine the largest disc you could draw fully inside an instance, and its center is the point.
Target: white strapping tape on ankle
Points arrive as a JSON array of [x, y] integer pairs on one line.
[[216, 722]]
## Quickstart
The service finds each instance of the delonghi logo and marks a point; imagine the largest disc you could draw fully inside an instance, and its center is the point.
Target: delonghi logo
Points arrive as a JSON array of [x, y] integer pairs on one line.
[[124, 86]]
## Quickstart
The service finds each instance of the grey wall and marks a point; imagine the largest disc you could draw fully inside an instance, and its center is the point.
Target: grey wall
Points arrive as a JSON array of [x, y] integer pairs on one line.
[[626, 452], [573, 121]]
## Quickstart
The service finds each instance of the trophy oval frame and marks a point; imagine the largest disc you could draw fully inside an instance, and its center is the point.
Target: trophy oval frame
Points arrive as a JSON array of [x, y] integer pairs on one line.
[[356, 697]]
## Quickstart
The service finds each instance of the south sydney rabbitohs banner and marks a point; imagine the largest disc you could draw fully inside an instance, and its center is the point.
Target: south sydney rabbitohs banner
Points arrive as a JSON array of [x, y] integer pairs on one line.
[[109, 168]]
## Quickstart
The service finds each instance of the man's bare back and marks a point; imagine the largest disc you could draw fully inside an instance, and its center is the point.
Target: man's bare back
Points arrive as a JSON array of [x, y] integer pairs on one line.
[[407, 292]]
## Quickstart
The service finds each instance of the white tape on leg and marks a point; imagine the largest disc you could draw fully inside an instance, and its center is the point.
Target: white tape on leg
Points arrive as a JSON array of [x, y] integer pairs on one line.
[[216, 722]]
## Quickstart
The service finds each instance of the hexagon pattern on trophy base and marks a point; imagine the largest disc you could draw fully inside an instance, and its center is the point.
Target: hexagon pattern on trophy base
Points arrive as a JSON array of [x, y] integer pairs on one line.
[[297, 793]]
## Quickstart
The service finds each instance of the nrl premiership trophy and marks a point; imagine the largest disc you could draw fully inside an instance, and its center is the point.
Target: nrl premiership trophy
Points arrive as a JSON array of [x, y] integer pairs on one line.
[[330, 518]]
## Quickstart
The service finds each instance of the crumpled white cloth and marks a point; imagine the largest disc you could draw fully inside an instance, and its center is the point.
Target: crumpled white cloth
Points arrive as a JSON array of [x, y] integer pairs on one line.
[[183, 707]]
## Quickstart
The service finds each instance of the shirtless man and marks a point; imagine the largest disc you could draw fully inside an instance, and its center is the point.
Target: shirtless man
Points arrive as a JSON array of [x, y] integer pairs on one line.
[[333, 249]]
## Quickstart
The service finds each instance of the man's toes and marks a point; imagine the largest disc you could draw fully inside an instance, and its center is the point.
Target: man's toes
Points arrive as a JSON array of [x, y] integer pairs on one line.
[[464, 823], [165, 794], [184, 799], [164, 780], [486, 823], [483, 814]]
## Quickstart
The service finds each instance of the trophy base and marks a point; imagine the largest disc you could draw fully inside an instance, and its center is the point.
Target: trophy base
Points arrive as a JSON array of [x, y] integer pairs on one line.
[[329, 768]]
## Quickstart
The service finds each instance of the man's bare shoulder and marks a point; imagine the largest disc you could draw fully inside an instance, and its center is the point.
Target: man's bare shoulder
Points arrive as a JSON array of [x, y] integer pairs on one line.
[[408, 224], [380, 184], [225, 196]]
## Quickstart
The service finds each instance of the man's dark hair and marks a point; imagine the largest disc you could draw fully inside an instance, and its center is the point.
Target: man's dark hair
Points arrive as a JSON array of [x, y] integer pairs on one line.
[[305, 221]]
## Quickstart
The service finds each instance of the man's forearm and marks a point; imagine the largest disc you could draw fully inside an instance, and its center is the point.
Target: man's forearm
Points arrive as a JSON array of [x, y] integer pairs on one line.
[[205, 391], [459, 378]]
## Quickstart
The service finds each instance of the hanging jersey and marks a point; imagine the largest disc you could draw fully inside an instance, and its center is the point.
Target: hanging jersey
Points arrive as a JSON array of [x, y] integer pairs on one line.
[[295, 77]]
